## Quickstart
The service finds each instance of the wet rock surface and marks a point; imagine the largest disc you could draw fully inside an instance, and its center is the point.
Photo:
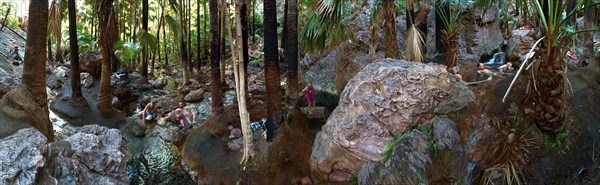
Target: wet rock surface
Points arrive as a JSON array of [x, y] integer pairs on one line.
[[386, 98]]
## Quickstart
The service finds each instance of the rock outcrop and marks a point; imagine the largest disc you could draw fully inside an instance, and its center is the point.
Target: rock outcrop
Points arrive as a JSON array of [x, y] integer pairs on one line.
[[386, 98], [92, 155], [479, 34]]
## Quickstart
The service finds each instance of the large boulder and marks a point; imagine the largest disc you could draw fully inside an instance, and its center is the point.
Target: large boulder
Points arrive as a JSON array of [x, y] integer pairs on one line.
[[385, 98], [406, 163], [519, 44], [195, 96], [91, 62], [21, 157]]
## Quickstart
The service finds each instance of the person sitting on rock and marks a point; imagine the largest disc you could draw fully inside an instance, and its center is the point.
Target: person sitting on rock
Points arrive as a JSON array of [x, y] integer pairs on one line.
[[182, 121], [484, 70], [310, 99], [149, 113], [187, 111]]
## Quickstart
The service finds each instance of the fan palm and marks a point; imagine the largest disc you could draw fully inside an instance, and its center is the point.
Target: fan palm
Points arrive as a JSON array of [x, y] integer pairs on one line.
[[108, 29], [549, 80], [451, 21]]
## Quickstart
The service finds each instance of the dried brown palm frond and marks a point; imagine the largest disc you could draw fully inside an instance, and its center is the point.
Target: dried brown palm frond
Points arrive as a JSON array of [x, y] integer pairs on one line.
[[414, 45], [510, 159], [54, 22]]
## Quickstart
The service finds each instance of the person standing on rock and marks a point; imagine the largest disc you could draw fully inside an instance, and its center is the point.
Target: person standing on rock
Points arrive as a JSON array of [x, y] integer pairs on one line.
[[14, 53], [310, 99]]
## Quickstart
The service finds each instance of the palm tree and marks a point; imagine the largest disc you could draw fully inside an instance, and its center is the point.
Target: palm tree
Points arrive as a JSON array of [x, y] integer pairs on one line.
[[34, 66], [75, 76], [291, 56], [108, 30], [271, 69], [550, 83], [215, 73], [391, 42], [182, 44], [145, 48]]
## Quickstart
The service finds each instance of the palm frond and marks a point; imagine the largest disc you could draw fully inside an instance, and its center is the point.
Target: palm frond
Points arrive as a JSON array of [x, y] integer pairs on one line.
[[173, 25], [325, 27], [147, 40], [414, 45], [54, 22]]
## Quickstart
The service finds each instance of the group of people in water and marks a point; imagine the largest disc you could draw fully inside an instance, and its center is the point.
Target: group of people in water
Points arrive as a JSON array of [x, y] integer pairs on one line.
[[184, 116]]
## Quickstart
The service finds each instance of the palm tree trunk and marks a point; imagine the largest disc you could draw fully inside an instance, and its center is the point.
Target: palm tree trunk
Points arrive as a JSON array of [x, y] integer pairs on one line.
[[198, 40], [108, 29], [285, 32], [588, 21], [223, 13], [160, 25], [75, 76], [271, 69], [183, 46], [292, 52], [206, 31], [215, 84], [245, 47], [240, 86], [50, 57], [189, 36], [34, 66], [145, 47], [391, 42]]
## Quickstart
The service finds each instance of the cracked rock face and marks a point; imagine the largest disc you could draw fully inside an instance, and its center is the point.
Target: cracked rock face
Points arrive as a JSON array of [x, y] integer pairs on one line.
[[21, 157], [92, 155], [386, 98]]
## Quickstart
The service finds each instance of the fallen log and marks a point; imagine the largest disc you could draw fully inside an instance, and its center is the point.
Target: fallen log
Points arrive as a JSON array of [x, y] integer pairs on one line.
[[15, 32]]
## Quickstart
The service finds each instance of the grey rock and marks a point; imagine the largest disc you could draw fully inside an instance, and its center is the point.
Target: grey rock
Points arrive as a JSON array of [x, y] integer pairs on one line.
[[406, 164], [159, 83], [235, 133], [21, 157], [519, 44], [195, 96], [236, 145], [93, 155], [446, 134], [385, 98], [53, 82], [61, 72], [86, 80], [91, 62]]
